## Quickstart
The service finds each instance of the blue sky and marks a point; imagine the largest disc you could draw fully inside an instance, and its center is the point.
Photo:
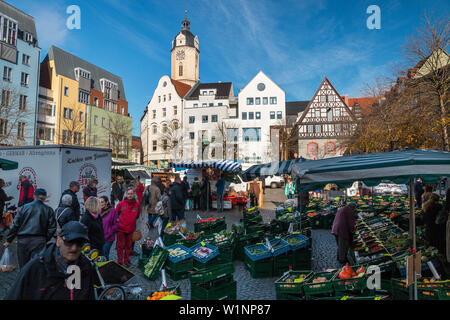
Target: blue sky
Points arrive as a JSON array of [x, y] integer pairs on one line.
[[296, 43]]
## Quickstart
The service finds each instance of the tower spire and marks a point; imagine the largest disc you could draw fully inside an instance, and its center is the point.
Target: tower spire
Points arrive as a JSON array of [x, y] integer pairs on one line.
[[185, 25]]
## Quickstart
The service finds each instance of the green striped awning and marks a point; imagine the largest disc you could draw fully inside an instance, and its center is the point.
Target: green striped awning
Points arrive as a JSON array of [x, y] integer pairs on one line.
[[397, 166], [8, 164]]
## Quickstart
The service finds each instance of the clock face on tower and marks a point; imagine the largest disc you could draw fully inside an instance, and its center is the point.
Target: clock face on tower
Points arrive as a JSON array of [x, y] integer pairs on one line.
[[180, 55]]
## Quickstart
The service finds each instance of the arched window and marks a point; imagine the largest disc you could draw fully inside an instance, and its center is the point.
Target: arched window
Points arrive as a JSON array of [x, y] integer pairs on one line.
[[312, 148], [155, 129], [164, 128], [175, 125], [330, 147], [180, 70]]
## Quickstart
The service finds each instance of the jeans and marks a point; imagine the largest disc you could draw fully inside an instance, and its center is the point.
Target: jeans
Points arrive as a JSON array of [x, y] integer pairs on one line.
[[197, 203], [219, 202], [343, 246], [28, 248], [151, 219], [107, 248], [177, 214]]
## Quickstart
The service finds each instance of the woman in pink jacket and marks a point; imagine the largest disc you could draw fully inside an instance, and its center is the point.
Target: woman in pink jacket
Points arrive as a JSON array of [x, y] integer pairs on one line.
[[110, 220]]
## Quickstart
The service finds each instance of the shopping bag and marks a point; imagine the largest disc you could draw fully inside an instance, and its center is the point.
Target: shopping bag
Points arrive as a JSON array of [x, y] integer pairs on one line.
[[188, 205], [6, 262], [158, 223]]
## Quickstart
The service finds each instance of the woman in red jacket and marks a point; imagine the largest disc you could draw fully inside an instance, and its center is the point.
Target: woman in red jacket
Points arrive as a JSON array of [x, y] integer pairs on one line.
[[128, 211]]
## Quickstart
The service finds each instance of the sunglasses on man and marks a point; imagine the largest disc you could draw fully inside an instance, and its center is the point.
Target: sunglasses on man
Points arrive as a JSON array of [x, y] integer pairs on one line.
[[78, 242]]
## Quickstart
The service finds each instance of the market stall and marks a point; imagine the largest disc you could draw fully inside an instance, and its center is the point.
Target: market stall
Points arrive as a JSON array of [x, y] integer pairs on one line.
[[213, 169], [276, 168], [399, 166]]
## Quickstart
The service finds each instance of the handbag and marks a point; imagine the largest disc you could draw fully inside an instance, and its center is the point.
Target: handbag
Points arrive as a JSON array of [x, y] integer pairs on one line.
[[137, 235]]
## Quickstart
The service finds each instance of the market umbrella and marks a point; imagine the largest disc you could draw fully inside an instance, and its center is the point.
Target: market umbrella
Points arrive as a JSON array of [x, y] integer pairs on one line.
[[398, 166], [8, 164], [269, 169], [224, 165]]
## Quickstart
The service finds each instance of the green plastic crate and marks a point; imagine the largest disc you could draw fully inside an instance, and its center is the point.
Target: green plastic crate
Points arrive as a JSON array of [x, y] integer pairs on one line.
[[289, 296], [227, 290], [255, 228], [259, 269], [177, 276], [171, 239], [182, 266], [157, 266], [213, 272], [325, 287], [281, 286], [281, 264], [300, 257], [353, 284]]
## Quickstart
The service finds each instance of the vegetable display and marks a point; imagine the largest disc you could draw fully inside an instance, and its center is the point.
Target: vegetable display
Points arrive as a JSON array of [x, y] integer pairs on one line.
[[202, 252]]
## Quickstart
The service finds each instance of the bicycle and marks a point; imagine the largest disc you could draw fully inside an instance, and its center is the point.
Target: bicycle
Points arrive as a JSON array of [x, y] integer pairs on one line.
[[105, 291]]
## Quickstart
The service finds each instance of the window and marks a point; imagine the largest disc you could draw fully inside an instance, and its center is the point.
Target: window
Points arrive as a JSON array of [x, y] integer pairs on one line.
[[211, 93], [83, 97], [66, 137], [5, 97], [164, 97], [257, 101], [96, 101], [279, 114], [164, 128], [191, 135], [204, 105], [21, 130], [25, 59], [164, 112], [7, 71], [9, 31], [318, 128], [103, 122], [323, 98], [337, 127], [330, 147], [66, 91], [232, 135], [68, 113], [170, 96], [272, 115], [211, 104], [337, 112], [330, 98], [95, 140], [251, 134], [220, 104], [249, 101], [312, 148], [310, 128], [81, 116], [154, 114], [28, 37], [273, 100], [77, 138], [23, 100], [79, 72], [180, 70], [204, 93], [3, 127], [195, 105], [214, 118], [330, 114], [159, 99], [204, 119], [95, 120], [265, 100], [154, 146], [122, 110], [317, 113], [164, 144], [258, 115], [244, 115], [175, 110], [250, 116], [24, 79], [155, 129], [191, 119]]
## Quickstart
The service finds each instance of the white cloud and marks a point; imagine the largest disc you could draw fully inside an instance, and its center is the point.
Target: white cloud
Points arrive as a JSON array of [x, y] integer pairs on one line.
[[51, 25]]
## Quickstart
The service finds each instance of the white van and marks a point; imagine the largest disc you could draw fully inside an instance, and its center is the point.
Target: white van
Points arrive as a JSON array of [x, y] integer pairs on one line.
[[274, 182]]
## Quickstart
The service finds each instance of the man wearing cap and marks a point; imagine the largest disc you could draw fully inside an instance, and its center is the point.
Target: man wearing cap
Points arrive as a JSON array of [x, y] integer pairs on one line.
[[48, 276], [343, 230], [91, 189], [33, 225], [74, 187]]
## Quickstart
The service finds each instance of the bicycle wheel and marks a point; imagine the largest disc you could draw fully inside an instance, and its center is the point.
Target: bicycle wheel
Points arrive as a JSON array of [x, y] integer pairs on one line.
[[113, 293]]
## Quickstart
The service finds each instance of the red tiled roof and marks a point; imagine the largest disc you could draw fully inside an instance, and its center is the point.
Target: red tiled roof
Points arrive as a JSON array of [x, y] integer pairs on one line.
[[364, 102], [181, 87], [136, 142]]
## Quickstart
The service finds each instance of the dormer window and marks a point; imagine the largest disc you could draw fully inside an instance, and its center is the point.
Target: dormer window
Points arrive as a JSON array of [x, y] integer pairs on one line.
[[80, 72], [8, 30], [28, 37]]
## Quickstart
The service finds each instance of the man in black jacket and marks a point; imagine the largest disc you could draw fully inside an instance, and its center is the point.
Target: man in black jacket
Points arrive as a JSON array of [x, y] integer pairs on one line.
[[177, 200], [74, 187], [33, 225], [64, 213], [118, 190], [48, 276]]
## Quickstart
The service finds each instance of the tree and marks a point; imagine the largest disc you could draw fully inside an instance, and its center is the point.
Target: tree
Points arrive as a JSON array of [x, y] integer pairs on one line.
[[118, 130], [13, 111], [415, 110], [228, 138], [170, 140]]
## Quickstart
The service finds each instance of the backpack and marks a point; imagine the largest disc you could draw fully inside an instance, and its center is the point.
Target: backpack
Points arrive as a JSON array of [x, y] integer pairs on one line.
[[146, 198]]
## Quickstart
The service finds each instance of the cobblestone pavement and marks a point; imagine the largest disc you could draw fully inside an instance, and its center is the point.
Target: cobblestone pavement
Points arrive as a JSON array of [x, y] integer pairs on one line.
[[323, 254]]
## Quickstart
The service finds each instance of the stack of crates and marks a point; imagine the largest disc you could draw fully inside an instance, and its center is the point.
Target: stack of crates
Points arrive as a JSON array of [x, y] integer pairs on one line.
[[178, 267], [281, 253], [252, 221], [170, 239], [301, 253], [260, 265], [242, 241], [290, 285], [211, 227], [213, 283], [323, 288]]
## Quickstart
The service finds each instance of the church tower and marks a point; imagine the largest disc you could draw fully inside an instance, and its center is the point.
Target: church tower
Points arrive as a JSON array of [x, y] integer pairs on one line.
[[185, 55]]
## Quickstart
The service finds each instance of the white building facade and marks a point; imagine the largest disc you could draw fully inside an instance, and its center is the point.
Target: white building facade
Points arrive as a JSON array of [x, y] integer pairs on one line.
[[261, 109]]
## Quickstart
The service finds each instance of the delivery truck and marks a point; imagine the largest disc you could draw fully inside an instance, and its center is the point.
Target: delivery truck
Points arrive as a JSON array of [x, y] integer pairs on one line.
[[53, 167]]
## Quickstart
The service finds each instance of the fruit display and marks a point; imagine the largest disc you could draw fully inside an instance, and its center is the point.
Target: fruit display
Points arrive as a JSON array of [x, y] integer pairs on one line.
[[320, 280], [347, 272], [192, 235], [158, 295], [296, 278]]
